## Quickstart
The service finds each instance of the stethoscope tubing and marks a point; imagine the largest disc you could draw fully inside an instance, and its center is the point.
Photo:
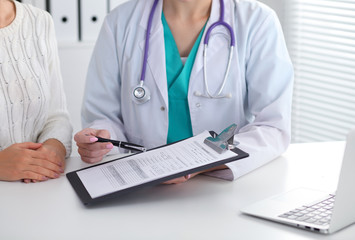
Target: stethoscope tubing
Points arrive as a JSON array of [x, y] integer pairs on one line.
[[218, 95], [216, 24], [146, 44], [220, 22]]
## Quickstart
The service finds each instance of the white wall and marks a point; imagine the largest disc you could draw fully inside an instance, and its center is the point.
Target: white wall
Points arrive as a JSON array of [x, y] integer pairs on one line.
[[74, 59], [278, 6]]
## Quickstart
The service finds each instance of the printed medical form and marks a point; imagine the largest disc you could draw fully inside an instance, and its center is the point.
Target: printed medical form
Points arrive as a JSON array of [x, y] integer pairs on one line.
[[154, 164]]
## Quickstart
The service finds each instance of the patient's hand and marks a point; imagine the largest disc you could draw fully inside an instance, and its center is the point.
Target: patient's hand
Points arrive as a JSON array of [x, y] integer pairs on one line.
[[27, 161], [55, 152]]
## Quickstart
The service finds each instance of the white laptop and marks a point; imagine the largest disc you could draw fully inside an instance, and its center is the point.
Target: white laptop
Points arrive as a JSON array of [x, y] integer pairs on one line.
[[315, 210]]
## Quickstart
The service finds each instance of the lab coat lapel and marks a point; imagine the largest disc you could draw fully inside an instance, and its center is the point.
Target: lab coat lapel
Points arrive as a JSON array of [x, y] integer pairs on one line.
[[218, 32], [156, 55]]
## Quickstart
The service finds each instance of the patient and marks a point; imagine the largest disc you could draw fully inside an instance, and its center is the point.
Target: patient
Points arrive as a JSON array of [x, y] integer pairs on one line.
[[35, 132]]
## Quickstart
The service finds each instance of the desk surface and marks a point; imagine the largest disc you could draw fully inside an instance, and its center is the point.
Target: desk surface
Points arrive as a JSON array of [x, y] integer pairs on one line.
[[202, 208]]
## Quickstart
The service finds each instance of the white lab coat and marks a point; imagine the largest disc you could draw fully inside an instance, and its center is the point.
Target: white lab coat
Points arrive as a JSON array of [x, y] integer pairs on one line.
[[260, 80]]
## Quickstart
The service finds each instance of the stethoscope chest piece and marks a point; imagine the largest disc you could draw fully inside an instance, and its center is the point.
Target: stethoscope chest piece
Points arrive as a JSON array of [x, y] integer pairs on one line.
[[140, 94]]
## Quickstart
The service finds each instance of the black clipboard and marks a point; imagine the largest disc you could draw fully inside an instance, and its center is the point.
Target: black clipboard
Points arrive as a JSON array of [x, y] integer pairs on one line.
[[86, 199]]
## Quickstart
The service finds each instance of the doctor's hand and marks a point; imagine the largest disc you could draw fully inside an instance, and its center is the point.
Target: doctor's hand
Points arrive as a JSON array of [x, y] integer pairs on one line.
[[189, 176], [181, 179], [89, 149]]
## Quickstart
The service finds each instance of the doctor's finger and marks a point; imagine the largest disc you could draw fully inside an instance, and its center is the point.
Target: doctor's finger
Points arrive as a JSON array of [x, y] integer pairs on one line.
[[86, 135], [95, 146], [84, 153], [103, 133], [176, 180], [91, 160], [182, 179]]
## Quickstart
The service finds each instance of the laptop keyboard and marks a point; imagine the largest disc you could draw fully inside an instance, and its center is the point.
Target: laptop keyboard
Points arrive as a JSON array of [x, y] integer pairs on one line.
[[318, 213]]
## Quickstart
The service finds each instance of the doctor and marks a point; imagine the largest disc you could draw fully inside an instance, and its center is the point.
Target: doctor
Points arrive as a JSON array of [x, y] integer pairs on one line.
[[151, 82]]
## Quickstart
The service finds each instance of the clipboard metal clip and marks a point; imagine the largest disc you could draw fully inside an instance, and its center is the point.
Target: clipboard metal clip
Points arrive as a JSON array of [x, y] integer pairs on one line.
[[223, 141]]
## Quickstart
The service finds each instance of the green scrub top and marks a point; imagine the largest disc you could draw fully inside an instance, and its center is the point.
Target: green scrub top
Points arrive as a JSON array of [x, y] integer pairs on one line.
[[178, 76]]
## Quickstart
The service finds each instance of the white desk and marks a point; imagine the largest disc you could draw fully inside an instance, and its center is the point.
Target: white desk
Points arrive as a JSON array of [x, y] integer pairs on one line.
[[202, 208]]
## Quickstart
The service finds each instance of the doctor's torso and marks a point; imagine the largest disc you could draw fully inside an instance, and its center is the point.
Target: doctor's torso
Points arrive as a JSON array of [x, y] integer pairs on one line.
[[128, 24]]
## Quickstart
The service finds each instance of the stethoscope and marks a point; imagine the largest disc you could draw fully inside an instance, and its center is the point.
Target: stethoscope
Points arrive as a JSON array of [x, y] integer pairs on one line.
[[141, 94]]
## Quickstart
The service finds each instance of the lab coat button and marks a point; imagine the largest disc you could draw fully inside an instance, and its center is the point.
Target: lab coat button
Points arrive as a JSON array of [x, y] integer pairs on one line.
[[198, 105], [162, 108]]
